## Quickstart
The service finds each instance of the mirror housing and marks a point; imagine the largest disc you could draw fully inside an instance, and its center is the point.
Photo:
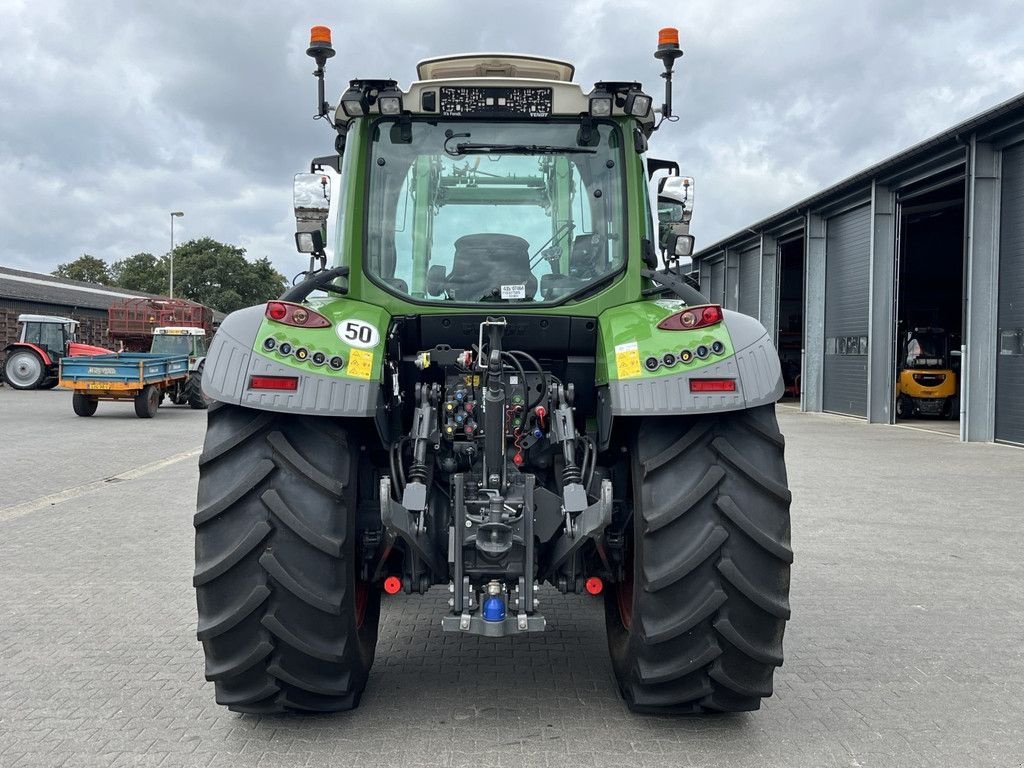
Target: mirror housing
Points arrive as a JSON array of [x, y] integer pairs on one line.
[[312, 200]]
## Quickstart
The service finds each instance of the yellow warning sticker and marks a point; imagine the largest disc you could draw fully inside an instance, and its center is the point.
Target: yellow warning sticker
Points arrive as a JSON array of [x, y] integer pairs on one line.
[[360, 364], [627, 360]]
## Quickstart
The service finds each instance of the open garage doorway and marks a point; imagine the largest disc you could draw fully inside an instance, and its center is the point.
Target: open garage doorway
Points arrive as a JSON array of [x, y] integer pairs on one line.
[[929, 307], [789, 338]]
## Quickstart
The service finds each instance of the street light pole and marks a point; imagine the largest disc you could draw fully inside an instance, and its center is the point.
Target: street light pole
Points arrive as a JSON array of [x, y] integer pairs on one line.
[[174, 215]]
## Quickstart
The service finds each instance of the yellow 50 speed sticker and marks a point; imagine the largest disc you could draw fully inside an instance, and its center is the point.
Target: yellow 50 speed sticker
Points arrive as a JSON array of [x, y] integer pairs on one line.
[[627, 360], [360, 364]]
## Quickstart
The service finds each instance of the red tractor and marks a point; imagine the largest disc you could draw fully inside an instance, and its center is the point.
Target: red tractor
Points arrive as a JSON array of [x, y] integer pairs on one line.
[[32, 362]]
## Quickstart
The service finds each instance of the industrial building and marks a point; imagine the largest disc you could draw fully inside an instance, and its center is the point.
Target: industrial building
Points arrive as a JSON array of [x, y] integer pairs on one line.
[[31, 293], [929, 239]]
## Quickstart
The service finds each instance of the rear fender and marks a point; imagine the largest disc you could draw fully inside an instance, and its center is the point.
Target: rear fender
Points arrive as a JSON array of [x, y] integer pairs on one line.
[[47, 360], [240, 351], [629, 337], [77, 349]]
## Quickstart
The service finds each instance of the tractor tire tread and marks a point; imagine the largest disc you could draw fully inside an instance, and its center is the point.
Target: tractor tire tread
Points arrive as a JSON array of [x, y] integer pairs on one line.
[[281, 534], [712, 553]]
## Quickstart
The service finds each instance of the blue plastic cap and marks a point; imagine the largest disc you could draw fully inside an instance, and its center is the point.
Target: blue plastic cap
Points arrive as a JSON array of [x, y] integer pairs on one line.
[[538, 433], [494, 608]]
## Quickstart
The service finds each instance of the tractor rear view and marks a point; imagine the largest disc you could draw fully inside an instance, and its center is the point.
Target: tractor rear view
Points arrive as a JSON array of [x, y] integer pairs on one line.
[[494, 387]]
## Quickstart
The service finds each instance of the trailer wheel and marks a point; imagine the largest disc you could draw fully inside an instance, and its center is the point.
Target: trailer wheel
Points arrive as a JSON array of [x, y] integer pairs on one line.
[[147, 402], [285, 622], [83, 404], [194, 389], [697, 626], [24, 369]]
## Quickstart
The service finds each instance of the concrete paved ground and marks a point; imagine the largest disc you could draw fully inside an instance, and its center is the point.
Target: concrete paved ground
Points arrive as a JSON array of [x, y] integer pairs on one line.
[[905, 647]]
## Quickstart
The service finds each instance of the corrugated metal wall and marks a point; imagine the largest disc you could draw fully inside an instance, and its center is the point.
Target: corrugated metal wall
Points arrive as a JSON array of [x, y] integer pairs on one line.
[[749, 281], [1009, 424], [705, 278], [716, 285], [847, 284]]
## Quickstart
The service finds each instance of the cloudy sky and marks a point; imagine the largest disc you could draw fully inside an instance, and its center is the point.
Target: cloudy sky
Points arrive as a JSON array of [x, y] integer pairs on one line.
[[114, 114]]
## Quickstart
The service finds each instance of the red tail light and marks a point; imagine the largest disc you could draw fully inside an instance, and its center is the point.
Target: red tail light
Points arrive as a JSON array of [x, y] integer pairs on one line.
[[296, 315], [392, 585], [281, 383], [712, 385], [691, 318]]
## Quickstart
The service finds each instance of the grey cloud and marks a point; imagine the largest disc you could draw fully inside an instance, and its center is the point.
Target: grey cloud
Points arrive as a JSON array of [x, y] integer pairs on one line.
[[114, 114]]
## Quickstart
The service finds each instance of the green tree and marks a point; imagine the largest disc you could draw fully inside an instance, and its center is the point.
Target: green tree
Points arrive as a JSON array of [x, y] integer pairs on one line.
[[86, 268], [142, 272], [219, 276]]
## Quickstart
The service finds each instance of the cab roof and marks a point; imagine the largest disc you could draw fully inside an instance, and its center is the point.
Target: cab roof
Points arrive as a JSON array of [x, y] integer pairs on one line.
[[502, 65]]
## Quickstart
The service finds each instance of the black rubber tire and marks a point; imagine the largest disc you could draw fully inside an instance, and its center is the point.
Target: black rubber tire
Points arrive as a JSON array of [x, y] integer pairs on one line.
[[711, 557], [30, 355], [903, 409], [951, 410], [49, 383], [276, 580], [194, 391], [147, 402], [83, 404]]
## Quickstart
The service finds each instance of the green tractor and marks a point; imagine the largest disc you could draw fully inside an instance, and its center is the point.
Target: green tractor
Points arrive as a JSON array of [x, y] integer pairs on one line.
[[494, 386]]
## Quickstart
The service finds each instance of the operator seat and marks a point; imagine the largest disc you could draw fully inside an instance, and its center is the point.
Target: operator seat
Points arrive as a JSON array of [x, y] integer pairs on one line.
[[483, 263]]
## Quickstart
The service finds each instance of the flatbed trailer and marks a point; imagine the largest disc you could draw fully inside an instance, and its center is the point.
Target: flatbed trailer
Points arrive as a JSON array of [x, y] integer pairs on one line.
[[141, 377]]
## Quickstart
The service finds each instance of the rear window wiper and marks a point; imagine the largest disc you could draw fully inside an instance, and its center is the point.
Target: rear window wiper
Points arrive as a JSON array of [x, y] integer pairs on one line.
[[471, 148]]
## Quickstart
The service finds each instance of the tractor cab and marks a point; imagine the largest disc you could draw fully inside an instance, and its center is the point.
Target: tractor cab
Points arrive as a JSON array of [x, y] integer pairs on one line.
[[180, 341], [49, 333]]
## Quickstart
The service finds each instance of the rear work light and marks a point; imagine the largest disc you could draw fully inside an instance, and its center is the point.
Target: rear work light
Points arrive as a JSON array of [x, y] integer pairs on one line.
[[712, 385], [296, 315], [691, 318], [280, 383]]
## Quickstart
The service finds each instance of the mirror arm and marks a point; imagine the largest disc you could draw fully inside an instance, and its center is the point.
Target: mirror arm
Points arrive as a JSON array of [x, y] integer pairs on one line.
[[316, 281], [317, 164]]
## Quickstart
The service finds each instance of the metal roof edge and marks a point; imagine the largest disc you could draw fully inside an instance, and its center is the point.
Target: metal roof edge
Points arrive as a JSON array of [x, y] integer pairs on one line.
[[971, 124]]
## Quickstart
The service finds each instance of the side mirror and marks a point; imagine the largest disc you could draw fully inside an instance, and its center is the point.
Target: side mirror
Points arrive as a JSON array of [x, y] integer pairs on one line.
[[675, 199], [312, 197]]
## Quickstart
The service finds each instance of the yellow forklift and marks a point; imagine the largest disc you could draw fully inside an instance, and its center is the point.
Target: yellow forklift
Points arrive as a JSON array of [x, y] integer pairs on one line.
[[926, 381]]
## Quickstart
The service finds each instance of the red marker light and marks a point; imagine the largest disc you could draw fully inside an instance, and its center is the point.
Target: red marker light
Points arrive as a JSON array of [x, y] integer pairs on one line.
[[594, 585], [712, 385], [518, 459], [392, 585], [280, 383], [276, 310]]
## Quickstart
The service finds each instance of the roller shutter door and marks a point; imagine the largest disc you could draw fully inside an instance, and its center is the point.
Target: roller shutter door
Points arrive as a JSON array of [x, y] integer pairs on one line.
[[1010, 360], [705, 278], [749, 281], [847, 283], [716, 286]]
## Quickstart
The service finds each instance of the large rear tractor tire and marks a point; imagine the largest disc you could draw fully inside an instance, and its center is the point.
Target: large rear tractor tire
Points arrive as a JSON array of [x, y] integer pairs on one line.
[[194, 391], [698, 627], [24, 369], [147, 402], [83, 405], [285, 623]]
